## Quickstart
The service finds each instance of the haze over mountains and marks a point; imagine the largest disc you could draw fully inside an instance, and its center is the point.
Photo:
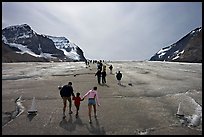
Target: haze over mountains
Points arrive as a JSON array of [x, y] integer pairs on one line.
[[20, 43]]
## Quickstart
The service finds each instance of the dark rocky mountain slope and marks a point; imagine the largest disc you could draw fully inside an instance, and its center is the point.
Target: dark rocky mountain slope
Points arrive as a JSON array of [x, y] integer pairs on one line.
[[187, 49]]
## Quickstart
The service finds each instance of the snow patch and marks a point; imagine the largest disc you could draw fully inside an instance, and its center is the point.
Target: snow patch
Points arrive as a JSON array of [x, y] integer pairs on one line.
[[164, 50], [4, 39], [62, 43], [178, 54]]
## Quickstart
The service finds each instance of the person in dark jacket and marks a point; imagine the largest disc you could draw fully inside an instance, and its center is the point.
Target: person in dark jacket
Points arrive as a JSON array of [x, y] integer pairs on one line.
[[103, 76], [111, 69], [98, 74], [119, 77], [66, 92]]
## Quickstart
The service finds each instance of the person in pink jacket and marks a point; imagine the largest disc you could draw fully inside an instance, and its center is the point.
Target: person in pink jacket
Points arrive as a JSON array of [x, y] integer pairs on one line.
[[93, 99]]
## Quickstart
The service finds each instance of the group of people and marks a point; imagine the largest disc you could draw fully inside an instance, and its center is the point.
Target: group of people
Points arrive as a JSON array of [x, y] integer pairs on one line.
[[67, 94], [101, 73]]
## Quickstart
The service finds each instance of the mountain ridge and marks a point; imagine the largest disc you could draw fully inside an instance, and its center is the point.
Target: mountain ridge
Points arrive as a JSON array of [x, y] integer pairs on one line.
[[186, 49], [21, 39]]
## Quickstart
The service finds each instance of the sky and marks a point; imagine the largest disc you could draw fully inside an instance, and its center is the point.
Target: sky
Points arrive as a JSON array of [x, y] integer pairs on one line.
[[109, 30]]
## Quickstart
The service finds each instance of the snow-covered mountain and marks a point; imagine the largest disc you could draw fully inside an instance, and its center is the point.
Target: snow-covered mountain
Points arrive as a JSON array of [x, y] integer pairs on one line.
[[187, 49], [22, 40], [69, 49]]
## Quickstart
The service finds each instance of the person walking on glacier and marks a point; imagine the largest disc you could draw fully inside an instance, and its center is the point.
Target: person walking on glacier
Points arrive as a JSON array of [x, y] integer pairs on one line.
[[66, 92], [119, 77], [103, 76], [111, 69], [98, 74], [93, 99], [77, 102]]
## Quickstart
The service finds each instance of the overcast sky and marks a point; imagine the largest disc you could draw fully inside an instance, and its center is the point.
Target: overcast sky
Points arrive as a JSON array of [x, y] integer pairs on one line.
[[109, 30]]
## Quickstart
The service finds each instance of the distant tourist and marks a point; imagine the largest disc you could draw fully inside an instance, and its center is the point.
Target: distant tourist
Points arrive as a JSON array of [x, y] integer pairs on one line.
[[119, 77], [98, 74], [111, 69], [77, 101], [92, 100], [103, 76], [99, 65], [66, 92], [104, 67]]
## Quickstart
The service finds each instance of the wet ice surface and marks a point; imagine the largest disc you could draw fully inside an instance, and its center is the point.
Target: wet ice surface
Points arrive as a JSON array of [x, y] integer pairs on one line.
[[161, 78], [164, 82], [38, 69], [170, 82], [33, 70]]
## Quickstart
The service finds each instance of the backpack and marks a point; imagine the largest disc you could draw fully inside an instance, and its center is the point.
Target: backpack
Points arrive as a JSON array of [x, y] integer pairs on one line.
[[62, 90], [119, 76]]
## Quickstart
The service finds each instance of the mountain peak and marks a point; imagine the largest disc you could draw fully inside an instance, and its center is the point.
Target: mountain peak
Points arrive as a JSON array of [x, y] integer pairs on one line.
[[22, 39], [15, 27], [196, 30], [187, 49]]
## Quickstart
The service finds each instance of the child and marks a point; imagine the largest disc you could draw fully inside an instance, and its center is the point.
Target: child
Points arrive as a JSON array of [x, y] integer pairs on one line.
[[77, 100]]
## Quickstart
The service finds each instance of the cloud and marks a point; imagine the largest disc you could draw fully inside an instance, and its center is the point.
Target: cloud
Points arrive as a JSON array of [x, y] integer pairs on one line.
[[109, 30]]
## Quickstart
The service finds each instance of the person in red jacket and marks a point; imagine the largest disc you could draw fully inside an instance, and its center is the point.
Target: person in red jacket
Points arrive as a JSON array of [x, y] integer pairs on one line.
[[77, 101]]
